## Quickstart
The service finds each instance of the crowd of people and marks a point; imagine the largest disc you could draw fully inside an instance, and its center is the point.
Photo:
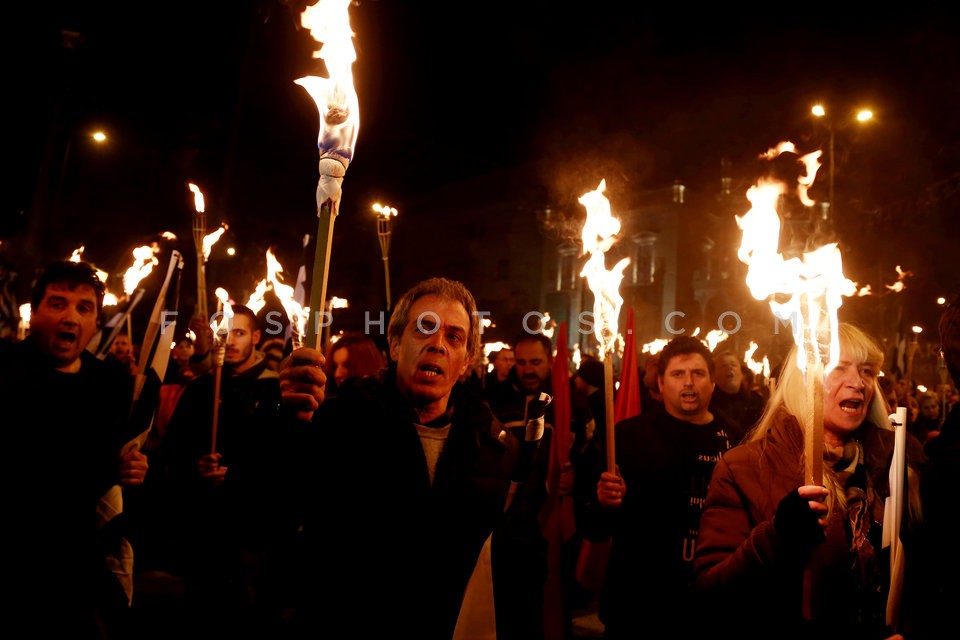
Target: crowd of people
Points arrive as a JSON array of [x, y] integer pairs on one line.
[[378, 490]]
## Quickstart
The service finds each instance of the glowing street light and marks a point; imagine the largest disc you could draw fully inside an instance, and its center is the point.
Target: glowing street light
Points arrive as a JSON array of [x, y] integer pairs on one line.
[[384, 213], [820, 111]]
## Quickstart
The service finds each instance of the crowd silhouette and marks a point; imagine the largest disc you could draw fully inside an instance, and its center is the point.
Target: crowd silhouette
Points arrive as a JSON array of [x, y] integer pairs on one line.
[[381, 488]]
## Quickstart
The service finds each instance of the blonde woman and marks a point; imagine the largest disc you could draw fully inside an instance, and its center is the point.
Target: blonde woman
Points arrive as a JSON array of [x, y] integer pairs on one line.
[[763, 532]]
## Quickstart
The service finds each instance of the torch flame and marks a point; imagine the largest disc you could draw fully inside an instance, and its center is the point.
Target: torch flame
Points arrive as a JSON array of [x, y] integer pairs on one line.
[[197, 198], [144, 259], [815, 282], [752, 364], [547, 325], [815, 285], [296, 314], [222, 296], [490, 347], [899, 285], [599, 233], [77, 256], [812, 162], [221, 329], [713, 338], [384, 211], [654, 346], [211, 239], [335, 97], [257, 299]]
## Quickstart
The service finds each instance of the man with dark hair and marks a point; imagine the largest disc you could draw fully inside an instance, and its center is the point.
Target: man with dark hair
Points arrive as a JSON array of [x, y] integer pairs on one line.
[[502, 361], [732, 398], [71, 276], [122, 355], [65, 425], [409, 487], [224, 486], [650, 505], [530, 375], [512, 402]]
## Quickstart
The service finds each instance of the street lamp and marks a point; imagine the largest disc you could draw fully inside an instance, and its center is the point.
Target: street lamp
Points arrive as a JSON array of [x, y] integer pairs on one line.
[[46, 208], [384, 213], [820, 111]]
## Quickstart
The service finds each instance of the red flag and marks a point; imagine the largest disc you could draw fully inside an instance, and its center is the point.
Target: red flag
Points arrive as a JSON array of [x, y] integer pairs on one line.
[[627, 402]]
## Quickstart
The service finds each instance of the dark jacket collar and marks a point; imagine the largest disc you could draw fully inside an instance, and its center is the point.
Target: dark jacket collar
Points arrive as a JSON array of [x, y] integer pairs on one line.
[[258, 368]]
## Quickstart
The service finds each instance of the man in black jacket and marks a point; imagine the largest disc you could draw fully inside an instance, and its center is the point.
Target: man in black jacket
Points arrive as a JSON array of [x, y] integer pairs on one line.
[[231, 501], [651, 504], [409, 486], [65, 427]]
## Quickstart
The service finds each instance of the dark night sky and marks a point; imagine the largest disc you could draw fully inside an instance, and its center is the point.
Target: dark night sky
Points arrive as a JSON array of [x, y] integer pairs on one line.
[[203, 91]]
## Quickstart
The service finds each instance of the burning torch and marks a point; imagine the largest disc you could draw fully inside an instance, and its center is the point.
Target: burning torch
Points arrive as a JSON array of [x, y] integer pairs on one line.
[[815, 284], [221, 332], [297, 315], [384, 213], [199, 231], [203, 242], [599, 233], [336, 100], [144, 260]]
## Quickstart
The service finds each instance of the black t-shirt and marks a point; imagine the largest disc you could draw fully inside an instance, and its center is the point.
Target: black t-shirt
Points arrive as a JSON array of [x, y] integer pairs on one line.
[[666, 464], [62, 438]]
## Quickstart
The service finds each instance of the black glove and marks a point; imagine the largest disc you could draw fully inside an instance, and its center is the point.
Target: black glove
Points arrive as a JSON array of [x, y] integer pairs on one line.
[[796, 525]]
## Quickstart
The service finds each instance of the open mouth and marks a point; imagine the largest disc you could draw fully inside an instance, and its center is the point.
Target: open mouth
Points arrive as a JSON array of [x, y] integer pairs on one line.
[[689, 396], [851, 406], [430, 371], [65, 339]]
